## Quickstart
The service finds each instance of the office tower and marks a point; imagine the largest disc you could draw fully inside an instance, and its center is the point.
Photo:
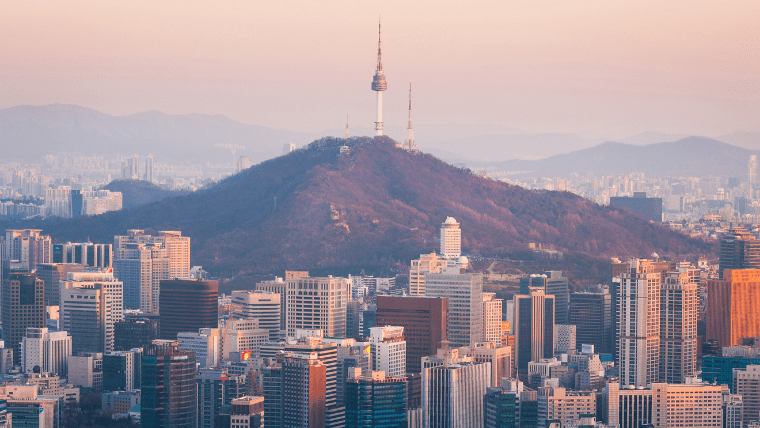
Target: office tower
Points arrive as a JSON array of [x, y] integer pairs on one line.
[[427, 263], [271, 385], [649, 208], [532, 281], [28, 246], [351, 355], [244, 336], [500, 409], [354, 319], [465, 303], [85, 254], [317, 304], [564, 338], [23, 307], [136, 265], [376, 400], [216, 388], [91, 303], [148, 176], [752, 167], [452, 395], [558, 286], [244, 162], [86, 370], [169, 392], [134, 333], [679, 308], [6, 358], [451, 239], [280, 287], [738, 250], [591, 314], [205, 344], [178, 251], [179, 295], [52, 274], [733, 306], [379, 85], [294, 391], [500, 358], [310, 342], [389, 350], [534, 327], [492, 314], [121, 370], [247, 412], [639, 312], [425, 323], [746, 382], [261, 306], [558, 404], [733, 411], [368, 318], [27, 408], [47, 350]]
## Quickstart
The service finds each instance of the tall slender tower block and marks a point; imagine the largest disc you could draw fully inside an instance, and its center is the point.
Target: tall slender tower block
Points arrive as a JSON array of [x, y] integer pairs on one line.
[[379, 85], [409, 144]]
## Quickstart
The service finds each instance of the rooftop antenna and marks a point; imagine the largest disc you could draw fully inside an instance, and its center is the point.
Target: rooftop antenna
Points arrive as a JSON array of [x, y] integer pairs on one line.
[[409, 144]]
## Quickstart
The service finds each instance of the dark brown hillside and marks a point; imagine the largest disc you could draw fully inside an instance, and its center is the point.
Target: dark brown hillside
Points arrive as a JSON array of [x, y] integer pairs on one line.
[[316, 209]]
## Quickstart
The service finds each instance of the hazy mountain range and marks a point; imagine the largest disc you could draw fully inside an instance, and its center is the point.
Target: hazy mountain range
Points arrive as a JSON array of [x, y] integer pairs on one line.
[[27, 133], [376, 205]]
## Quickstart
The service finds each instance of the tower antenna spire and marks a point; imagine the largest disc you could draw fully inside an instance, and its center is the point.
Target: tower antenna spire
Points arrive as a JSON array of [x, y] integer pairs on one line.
[[378, 84], [409, 143]]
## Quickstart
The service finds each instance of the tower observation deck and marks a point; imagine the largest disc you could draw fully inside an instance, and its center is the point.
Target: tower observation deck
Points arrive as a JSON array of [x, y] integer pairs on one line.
[[379, 85]]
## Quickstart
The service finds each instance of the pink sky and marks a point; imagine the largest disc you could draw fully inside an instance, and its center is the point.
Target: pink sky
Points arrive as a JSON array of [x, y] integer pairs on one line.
[[600, 68]]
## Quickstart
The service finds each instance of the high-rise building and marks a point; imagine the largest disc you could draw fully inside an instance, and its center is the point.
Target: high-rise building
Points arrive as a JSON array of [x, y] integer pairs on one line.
[[244, 162], [179, 295], [52, 274], [121, 370], [679, 310], [738, 250], [23, 307], [86, 370], [427, 263], [169, 391], [261, 306], [500, 408], [733, 411], [389, 350], [452, 395], [591, 314], [247, 412], [500, 358], [27, 246], [216, 388], [351, 355], [465, 325], [317, 304], [639, 325], [558, 286], [178, 251], [752, 167], [533, 327], [294, 392], [564, 338], [278, 286], [451, 239], [376, 400], [47, 351], [746, 383], [205, 344], [649, 208], [91, 303], [310, 342], [379, 85], [425, 323], [733, 306], [558, 404], [492, 316], [243, 336], [85, 254], [135, 333], [148, 176]]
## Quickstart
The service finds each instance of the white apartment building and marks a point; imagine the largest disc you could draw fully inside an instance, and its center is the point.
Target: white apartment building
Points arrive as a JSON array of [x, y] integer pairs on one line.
[[388, 350], [451, 239]]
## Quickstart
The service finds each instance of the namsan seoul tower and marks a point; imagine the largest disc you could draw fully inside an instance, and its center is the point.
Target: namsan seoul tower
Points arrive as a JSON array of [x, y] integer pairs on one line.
[[379, 85]]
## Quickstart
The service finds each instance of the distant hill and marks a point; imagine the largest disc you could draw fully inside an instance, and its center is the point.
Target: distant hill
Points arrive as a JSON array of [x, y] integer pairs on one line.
[[317, 209], [28, 133], [687, 157], [139, 192]]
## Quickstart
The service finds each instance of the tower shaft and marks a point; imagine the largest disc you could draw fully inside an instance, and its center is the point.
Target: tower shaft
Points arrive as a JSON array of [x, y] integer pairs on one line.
[[379, 85]]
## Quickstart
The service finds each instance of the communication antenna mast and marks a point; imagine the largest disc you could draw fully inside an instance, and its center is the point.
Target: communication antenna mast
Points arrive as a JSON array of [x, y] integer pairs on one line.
[[409, 143]]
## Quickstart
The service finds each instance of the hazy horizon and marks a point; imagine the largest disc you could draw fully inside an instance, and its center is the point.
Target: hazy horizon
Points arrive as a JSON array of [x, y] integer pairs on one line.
[[597, 69]]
